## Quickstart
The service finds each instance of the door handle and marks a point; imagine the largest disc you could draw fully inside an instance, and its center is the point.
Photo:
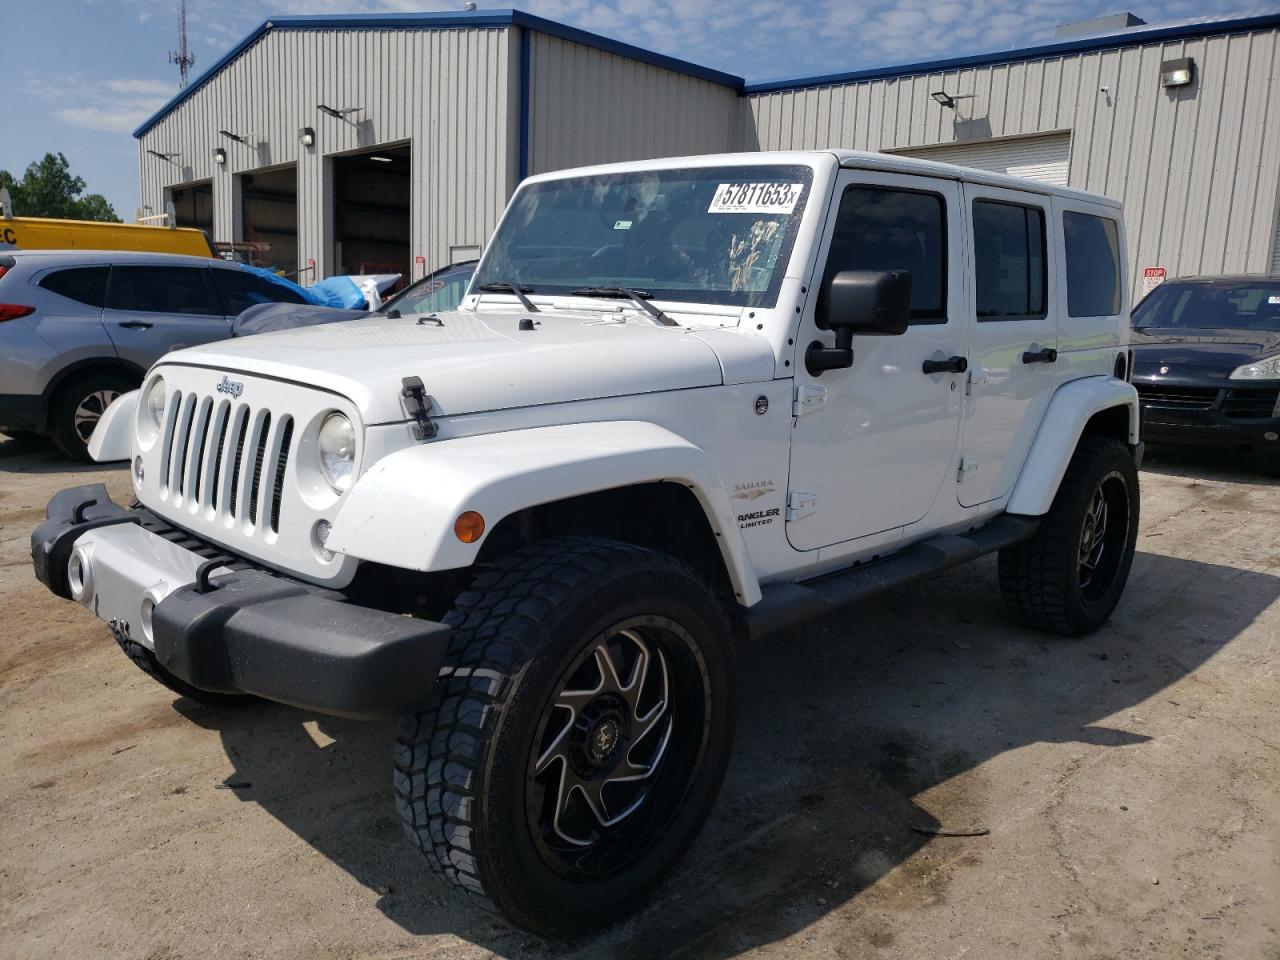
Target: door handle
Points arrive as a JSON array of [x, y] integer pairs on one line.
[[136, 325], [949, 365], [1047, 355]]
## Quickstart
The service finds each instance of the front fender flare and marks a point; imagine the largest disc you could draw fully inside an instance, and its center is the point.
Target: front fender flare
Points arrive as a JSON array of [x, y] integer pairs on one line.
[[402, 510], [112, 438], [1069, 410]]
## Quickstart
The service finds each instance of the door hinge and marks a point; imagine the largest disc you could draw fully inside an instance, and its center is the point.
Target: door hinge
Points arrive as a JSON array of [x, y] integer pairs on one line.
[[801, 505], [808, 398], [967, 466]]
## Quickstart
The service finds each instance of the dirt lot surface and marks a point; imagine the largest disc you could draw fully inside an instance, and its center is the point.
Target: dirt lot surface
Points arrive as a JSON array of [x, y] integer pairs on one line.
[[1129, 780]]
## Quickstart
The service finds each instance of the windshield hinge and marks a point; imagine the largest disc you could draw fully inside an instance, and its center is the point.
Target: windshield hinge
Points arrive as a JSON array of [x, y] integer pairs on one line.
[[801, 505], [418, 405], [809, 397]]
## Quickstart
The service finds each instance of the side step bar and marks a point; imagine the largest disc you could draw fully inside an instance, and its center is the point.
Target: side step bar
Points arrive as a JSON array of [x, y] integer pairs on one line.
[[785, 604]]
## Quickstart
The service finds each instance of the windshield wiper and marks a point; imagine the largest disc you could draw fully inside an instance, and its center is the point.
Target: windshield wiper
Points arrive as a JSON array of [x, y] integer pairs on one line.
[[511, 288], [635, 296]]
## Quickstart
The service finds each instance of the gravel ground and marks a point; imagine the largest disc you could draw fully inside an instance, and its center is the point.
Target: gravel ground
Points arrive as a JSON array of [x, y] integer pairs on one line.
[[1129, 780]]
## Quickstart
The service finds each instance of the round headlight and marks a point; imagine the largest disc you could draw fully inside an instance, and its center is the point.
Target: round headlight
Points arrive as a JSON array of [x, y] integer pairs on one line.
[[152, 405], [337, 447]]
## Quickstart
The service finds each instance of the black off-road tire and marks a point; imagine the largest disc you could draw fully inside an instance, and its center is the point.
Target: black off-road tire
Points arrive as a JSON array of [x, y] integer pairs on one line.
[[1040, 579], [146, 661], [89, 388], [464, 788]]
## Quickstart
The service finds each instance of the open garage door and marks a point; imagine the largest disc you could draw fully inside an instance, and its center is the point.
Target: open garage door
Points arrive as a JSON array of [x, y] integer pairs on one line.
[[192, 205], [269, 218], [1045, 157], [371, 212]]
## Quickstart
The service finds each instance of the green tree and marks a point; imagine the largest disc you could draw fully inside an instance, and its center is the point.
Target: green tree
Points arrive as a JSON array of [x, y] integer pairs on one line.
[[49, 189]]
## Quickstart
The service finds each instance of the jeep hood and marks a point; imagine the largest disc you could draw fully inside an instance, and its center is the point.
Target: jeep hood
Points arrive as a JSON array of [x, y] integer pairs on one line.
[[475, 362]]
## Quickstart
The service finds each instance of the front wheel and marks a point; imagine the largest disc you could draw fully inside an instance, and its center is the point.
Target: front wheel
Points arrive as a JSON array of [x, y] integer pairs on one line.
[[581, 731], [1069, 576]]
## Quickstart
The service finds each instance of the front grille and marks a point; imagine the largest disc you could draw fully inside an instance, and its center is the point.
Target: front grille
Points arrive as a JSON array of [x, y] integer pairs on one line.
[[1250, 404], [225, 459], [1175, 397]]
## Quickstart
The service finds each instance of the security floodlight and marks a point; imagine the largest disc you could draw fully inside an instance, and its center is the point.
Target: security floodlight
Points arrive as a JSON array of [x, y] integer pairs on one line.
[[947, 100], [338, 113], [164, 156], [219, 156], [306, 136], [1177, 73], [233, 136]]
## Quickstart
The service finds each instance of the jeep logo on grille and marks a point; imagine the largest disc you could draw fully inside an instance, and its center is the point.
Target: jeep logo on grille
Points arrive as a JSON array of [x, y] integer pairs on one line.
[[233, 387]]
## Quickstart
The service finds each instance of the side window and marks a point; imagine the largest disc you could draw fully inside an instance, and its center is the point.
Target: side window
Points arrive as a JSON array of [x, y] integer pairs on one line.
[[239, 290], [1093, 265], [1009, 265], [880, 228], [178, 290], [87, 285]]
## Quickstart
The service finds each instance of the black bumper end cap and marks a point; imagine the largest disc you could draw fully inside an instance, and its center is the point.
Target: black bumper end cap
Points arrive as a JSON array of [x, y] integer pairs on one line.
[[285, 641], [70, 513]]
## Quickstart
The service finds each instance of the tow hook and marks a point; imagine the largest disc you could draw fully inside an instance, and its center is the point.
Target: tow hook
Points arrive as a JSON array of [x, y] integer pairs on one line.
[[418, 405]]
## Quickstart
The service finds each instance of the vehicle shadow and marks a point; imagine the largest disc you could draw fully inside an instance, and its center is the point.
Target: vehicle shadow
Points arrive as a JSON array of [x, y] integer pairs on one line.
[[1223, 465], [28, 453], [844, 725]]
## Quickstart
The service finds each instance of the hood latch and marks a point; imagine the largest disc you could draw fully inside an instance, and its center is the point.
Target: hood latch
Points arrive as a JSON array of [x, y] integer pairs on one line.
[[418, 405]]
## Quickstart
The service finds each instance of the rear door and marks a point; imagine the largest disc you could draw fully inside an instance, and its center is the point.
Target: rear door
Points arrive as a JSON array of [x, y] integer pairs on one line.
[[1013, 339], [152, 309], [238, 290]]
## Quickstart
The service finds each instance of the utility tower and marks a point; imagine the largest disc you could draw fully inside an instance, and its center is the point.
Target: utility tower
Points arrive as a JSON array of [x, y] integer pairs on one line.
[[183, 56]]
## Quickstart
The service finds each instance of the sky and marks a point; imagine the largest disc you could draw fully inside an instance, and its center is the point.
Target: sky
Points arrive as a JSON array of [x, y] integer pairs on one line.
[[80, 75]]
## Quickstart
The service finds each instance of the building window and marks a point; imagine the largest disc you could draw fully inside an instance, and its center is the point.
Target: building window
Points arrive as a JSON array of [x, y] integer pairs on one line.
[[1009, 264], [1093, 265]]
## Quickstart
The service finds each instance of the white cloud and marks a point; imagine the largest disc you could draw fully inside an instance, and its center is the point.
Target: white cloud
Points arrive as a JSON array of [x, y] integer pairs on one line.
[[107, 119]]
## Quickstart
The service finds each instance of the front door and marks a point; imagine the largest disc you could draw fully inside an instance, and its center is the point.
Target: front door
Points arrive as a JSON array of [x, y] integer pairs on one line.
[[1013, 343], [873, 444], [154, 309]]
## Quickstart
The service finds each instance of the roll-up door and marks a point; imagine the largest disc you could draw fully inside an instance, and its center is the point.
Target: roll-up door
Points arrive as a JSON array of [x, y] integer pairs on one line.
[[1044, 158]]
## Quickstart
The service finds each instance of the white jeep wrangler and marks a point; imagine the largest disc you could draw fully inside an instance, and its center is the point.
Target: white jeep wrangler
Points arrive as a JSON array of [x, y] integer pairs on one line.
[[685, 402]]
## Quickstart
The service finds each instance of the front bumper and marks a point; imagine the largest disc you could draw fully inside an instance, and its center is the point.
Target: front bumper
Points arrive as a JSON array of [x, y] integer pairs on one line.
[[229, 630], [1202, 413]]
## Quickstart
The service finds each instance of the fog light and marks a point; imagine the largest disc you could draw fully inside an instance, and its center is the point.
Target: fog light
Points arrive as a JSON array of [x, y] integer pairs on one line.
[[469, 527], [1271, 436], [80, 575], [137, 470], [319, 537]]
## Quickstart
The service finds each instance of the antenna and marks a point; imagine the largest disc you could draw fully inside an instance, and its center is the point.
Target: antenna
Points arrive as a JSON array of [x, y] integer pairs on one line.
[[183, 57]]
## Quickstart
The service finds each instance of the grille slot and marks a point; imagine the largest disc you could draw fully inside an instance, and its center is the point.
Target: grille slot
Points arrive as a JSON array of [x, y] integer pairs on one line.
[[1175, 397], [219, 441], [181, 446], [233, 479], [1250, 404], [282, 461], [260, 452]]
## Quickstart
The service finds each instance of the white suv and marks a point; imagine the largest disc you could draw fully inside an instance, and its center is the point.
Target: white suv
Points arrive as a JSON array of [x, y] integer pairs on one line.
[[685, 402]]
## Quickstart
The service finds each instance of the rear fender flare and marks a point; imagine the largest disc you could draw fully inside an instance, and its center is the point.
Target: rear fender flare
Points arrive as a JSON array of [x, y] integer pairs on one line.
[[1070, 409], [401, 512]]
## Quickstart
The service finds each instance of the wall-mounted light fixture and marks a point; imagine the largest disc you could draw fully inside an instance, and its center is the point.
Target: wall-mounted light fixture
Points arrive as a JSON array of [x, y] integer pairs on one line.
[[1177, 73], [234, 136], [219, 156], [164, 156], [338, 113], [947, 100], [306, 136], [381, 159]]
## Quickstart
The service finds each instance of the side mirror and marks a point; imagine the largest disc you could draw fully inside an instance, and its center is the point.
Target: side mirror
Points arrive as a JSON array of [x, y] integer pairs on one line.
[[867, 302]]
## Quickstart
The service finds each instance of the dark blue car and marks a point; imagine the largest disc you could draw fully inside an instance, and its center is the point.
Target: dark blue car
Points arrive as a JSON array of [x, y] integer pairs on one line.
[[1207, 363]]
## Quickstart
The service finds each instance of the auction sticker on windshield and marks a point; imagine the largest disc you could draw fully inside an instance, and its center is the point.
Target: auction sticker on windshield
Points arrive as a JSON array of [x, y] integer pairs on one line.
[[756, 198]]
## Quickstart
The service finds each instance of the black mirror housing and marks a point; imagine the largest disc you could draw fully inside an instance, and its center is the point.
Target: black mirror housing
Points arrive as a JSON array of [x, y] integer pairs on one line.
[[866, 302]]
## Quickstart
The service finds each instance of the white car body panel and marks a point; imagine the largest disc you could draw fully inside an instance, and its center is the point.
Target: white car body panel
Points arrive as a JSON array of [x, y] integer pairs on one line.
[[500, 473]]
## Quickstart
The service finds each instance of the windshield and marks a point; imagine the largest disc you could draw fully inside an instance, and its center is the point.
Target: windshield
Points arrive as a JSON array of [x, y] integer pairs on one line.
[[1244, 305], [719, 235], [442, 290]]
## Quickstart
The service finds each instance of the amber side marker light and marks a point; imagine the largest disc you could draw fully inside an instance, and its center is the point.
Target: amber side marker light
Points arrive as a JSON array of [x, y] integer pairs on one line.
[[468, 527]]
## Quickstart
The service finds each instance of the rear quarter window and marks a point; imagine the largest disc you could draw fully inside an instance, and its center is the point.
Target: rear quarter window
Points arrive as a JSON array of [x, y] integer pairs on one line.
[[1093, 265], [239, 290], [87, 285]]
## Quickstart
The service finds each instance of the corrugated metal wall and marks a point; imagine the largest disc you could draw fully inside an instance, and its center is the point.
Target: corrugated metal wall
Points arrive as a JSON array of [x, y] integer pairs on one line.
[[588, 106], [1198, 170], [1045, 158], [447, 92]]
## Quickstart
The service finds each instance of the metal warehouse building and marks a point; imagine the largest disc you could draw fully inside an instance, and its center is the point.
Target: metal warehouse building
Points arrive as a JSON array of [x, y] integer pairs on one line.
[[345, 144]]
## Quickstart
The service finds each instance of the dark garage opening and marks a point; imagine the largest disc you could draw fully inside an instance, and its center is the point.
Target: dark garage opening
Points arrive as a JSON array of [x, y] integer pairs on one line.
[[192, 205], [371, 212], [269, 218]]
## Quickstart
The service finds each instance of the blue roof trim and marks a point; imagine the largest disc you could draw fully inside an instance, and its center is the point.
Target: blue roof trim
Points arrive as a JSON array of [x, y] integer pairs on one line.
[[475, 19], [518, 18], [1109, 42]]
